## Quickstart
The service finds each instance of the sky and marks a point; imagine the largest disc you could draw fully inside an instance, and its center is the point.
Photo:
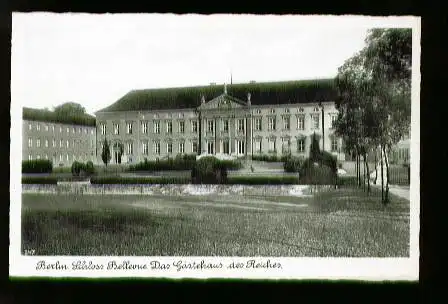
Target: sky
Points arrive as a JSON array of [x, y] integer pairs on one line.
[[96, 59]]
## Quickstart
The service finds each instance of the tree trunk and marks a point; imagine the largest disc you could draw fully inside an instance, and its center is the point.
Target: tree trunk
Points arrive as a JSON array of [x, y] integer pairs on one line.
[[376, 166], [368, 173], [382, 175], [386, 197], [364, 172], [358, 159]]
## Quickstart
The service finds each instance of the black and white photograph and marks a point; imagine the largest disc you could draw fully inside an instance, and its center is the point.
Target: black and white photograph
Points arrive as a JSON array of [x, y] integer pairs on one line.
[[215, 146]]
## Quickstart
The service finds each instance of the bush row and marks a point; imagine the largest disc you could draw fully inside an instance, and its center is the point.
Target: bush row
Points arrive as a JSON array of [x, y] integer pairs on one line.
[[180, 162], [41, 180], [139, 180], [263, 180], [270, 158], [37, 166]]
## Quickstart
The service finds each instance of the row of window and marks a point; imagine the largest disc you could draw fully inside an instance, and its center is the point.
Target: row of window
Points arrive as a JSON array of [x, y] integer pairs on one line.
[[62, 143], [52, 128], [240, 146], [287, 110], [62, 157], [240, 126]]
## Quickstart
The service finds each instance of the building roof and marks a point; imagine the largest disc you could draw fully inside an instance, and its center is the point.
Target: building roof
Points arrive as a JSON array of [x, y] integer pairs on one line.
[[50, 116], [265, 93]]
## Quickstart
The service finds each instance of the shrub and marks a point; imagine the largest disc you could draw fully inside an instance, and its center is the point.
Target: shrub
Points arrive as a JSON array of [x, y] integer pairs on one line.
[[139, 180], [347, 181], [89, 168], [315, 173], [209, 170], [49, 180], [263, 180], [292, 164], [77, 167], [37, 166]]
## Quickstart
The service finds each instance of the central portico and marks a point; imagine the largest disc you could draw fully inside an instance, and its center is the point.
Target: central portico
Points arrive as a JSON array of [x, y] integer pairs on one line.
[[225, 125]]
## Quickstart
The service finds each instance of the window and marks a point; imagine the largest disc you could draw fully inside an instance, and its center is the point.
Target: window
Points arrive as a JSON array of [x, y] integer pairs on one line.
[[91, 144], [30, 127], [61, 157], [130, 148], [145, 148], [73, 157], [46, 156], [286, 110], [194, 147], [144, 127], [67, 144], [79, 130], [116, 129], [103, 129], [210, 147], [286, 122], [60, 129], [60, 143], [38, 143], [257, 145], [38, 156], [301, 122], [182, 147], [210, 125], [301, 145], [316, 121], [169, 127], [169, 147], [182, 126], [334, 145], [46, 128], [272, 145], [30, 142], [38, 127], [286, 145], [194, 126], [52, 128], [129, 128], [257, 124], [225, 147], [225, 125], [91, 131], [272, 111], [46, 143], [157, 128], [240, 146], [157, 148], [85, 131], [30, 157], [68, 130], [333, 121], [54, 143], [240, 125], [271, 124]]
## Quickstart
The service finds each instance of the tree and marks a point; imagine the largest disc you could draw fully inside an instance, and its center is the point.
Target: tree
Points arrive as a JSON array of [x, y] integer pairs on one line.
[[120, 151], [374, 90], [70, 109], [105, 154]]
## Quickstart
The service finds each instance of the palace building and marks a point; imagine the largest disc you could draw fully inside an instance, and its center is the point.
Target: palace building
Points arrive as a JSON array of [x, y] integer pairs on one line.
[[271, 118], [61, 140]]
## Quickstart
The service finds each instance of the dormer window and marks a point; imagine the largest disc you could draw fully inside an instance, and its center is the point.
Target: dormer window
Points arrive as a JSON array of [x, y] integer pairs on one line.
[[300, 110], [316, 109], [272, 111], [258, 111], [286, 110]]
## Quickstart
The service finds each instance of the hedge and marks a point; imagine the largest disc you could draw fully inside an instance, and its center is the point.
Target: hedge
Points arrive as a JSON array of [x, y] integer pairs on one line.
[[209, 170], [180, 162], [292, 164], [311, 174], [139, 180], [37, 166], [266, 158], [49, 180], [263, 180]]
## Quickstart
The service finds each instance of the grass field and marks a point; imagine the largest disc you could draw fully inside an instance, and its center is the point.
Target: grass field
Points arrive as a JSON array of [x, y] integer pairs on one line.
[[341, 223]]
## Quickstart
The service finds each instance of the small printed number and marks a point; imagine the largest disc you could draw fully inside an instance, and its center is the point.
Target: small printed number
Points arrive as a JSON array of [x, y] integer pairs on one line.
[[30, 251]]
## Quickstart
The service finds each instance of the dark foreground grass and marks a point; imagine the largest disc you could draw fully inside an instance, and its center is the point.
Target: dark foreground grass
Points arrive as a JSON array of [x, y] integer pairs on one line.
[[342, 223]]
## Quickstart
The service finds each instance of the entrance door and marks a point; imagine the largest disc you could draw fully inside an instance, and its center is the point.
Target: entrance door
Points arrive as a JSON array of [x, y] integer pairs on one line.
[[225, 147]]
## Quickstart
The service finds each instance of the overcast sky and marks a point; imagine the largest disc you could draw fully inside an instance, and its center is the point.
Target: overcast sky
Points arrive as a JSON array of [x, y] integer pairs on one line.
[[96, 59]]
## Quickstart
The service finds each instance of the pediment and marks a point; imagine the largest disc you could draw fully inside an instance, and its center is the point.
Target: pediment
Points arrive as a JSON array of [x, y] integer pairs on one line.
[[223, 101]]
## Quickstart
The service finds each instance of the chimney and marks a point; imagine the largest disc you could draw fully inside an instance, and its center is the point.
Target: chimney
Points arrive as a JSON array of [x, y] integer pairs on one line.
[[248, 99], [202, 99]]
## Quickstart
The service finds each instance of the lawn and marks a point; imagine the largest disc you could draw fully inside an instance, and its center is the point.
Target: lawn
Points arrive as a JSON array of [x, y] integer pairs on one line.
[[343, 223]]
